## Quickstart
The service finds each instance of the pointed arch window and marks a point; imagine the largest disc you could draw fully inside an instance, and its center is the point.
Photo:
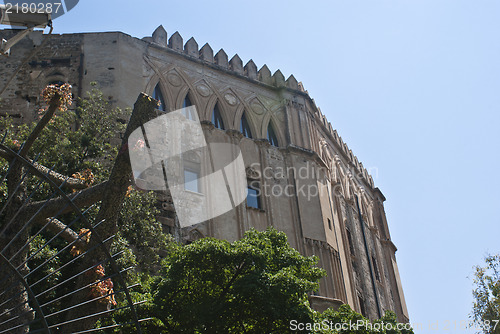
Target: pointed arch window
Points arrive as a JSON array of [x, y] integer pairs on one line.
[[245, 127], [188, 113], [217, 118], [187, 102], [271, 135], [157, 95]]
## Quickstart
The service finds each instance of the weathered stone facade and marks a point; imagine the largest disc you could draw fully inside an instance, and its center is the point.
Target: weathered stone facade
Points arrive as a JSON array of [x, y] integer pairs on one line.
[[334, 212]]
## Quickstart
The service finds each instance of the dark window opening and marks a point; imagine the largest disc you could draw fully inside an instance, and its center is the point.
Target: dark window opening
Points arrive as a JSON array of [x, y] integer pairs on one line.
[[189, 112], [329, 223], [187, 102], [217, 118], [271, 135], [157, 95], [245, 127], [253, 195], [61, 61]]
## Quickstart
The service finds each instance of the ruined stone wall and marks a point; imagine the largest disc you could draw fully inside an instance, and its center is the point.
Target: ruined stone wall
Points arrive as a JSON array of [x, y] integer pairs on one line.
[[25, 73]]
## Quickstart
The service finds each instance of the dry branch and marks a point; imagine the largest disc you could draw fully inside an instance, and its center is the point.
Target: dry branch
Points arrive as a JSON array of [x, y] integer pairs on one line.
[[57, 178], [56, 226], [60, 205]]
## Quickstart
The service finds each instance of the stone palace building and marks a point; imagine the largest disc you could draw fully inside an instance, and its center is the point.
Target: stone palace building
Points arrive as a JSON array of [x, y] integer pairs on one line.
[[303, 179]]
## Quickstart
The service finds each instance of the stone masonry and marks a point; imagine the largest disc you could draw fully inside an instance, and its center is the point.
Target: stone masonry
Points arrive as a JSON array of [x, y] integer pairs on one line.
[[334, 212]]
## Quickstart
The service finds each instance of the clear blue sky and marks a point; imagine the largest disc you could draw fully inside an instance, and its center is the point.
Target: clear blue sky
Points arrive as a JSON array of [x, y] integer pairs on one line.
[[413, 87]]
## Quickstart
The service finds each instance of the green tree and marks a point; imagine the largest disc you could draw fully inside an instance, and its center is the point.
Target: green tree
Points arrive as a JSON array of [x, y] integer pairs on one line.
[[486, 307], [78, 151], [346, 321], [253, 285]]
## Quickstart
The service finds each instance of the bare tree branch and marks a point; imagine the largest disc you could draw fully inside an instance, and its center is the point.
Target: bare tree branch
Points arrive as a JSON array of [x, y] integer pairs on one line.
[[112, 199], [55, 226], [6, 155], [119, 180], [57, 178], [69, 182], [51, 207]]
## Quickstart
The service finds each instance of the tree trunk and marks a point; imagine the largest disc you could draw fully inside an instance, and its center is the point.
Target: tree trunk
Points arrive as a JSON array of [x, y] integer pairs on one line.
[[114, 193]]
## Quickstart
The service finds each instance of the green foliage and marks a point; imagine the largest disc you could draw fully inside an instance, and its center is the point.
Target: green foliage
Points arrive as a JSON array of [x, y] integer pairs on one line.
[[47, 272], [142, 241], [346, 321], [74, 140], [40, 253], [8, 134], [140, 294], [254, 285], [345, 315], [141, 231], [81, 139], [85, 141], [486, 308]]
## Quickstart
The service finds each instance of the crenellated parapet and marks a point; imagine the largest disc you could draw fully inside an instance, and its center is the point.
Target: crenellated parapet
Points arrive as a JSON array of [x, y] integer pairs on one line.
[[340, 144], [262, 75], [221, 59], [361, 171]]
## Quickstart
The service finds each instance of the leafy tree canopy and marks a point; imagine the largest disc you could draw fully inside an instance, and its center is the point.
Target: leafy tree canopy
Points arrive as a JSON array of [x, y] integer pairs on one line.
[[258, 284], [253, 285], [346, 321], [486, 307]]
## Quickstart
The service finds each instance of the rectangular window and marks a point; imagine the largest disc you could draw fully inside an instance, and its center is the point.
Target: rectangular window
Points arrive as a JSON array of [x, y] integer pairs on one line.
[[329, 223], [253, 197], [191, 181]]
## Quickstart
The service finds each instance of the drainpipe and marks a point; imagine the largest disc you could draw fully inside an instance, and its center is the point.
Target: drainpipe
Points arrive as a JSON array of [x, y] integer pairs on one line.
[[370, 264]]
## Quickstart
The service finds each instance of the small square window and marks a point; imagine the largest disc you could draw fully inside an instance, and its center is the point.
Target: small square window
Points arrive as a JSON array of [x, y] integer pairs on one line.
[[253, 197], [191, 181]]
